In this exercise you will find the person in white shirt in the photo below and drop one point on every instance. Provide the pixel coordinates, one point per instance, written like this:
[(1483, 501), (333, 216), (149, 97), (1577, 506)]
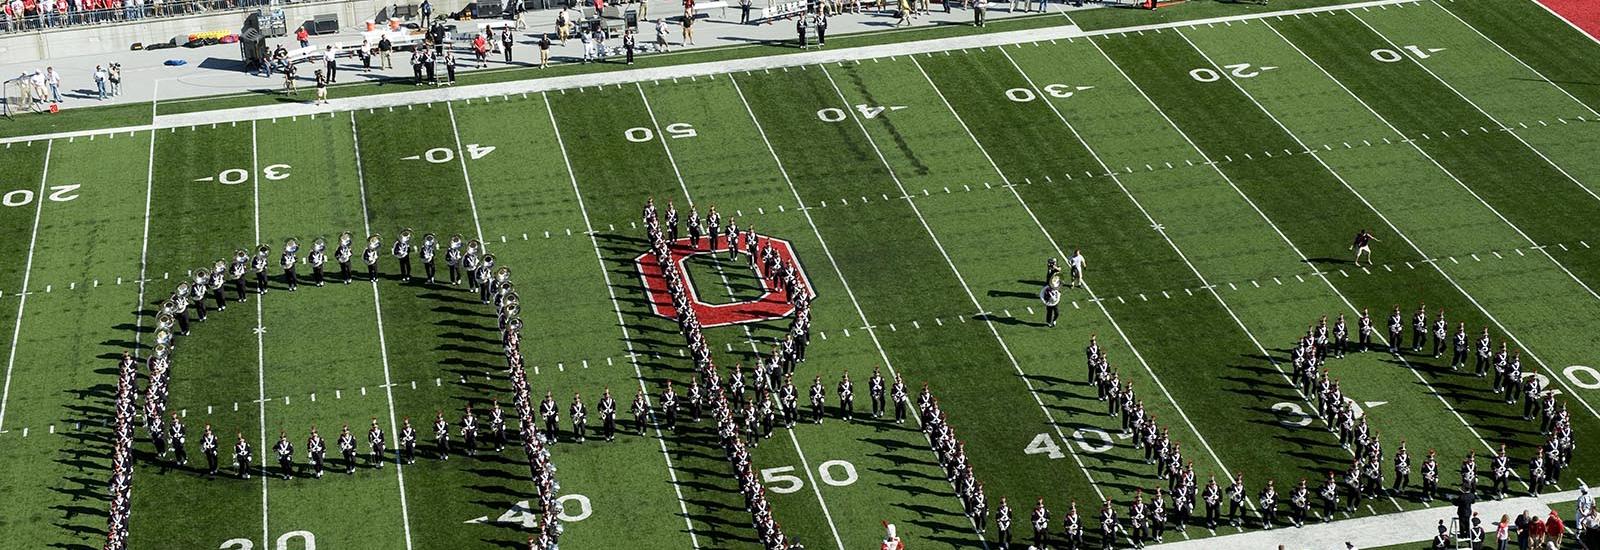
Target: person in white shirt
[(1075, 266), (100, 77), (328, 59), (53, 80)]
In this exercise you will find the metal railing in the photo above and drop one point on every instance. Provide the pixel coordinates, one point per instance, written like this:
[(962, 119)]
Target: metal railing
[(47, 14)]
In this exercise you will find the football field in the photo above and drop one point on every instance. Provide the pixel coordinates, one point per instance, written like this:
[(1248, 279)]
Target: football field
[(1212, 174)]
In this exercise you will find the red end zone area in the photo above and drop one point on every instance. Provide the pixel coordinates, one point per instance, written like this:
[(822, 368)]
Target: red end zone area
[(1583, 14), (773, 303)]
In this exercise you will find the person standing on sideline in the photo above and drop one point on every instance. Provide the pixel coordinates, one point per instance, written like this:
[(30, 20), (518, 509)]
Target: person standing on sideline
[(52, 79), (427, 12), (322, 88), (1362, 245), (544, 51), (329, 61), (505, 43), (100, 77), (561, 26), (744, 12), (302, 36), (905, 13), (979, 9), (588, 47), (661, 34), (629, 42), (450, 67), (1051, 296), (822, 28), (688, 25), (385, 48), (800, 29), (1075, 266)]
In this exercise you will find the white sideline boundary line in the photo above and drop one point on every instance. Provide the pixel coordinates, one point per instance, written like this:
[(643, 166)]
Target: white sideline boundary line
[(1569, 23), (1062, 254), (866, 325), (261, 353), (633, 357), (27, 274), (1486, 114), (383, 344), (749, 337), (951, 263), (677, 71)]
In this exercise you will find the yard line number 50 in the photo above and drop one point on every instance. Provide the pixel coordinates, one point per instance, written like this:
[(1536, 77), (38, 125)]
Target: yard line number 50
[(837, 473)]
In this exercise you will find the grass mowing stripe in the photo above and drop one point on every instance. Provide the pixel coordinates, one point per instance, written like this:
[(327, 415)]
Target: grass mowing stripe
[(825, 307), (1315, 102), (1313, 43), (1514, 57), (522, 185), (438, 336), (195, 219), (1548, 43), (815, 488), (1138, 256), (1177, 94), (613, 187), (1062, 253), (617, 308), (1276, 311), (886, 286), (22, 301)]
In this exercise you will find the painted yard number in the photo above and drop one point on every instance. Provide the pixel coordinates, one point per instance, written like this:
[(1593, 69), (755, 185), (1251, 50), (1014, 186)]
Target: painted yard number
[(1058, 91), (837, 473), (1089, 440), (1240, 70), (441, 155), (1387, 55), (676, 130), (308, 541), (573, 507), (22, 197), (834, 114), (236, 176)]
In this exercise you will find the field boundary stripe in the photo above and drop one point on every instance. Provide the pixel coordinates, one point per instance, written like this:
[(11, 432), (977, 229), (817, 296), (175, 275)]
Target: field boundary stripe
[(383, 345), (1061, 253), (27, 273), (1568, 22), (616, 307), (961, 279), (865, 324), (810, 477), (667, 73)]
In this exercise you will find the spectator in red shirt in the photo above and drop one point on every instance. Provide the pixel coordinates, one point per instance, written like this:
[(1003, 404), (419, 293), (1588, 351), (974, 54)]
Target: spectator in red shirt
[(1536, 533), (1554, 529)]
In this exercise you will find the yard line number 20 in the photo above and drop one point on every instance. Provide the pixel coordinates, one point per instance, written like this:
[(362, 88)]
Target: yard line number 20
[(24, 197)]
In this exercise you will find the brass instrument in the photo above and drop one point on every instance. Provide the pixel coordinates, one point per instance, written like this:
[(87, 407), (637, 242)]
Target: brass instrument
[(405, 236), (501, 275), (455, 241), (345, 239), (319, 245), (291, 246), (160, 350), (169, 307), (374, 241)]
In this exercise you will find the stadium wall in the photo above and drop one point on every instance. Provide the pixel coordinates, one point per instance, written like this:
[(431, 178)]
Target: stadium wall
[(118, 37)]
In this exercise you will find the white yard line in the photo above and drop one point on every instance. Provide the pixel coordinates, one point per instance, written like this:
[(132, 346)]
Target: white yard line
[(959, 278), (1517, 59), (866, 325), (815, 489), (1474, 105), (1062, 253), (261, 354), (462, 156), (681, 71), (621, 323), (383, 345), (27, 273), (1425, 154), (1553, 374)]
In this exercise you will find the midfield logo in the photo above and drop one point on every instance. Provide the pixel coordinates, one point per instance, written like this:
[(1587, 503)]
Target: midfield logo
[(773, 303)]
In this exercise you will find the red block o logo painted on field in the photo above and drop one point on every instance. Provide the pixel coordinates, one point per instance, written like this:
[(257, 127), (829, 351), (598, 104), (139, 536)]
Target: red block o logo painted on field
[(772, 304)]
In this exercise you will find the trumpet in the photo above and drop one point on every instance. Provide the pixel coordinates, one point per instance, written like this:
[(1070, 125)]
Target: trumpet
[(319, 245), (291, 246)]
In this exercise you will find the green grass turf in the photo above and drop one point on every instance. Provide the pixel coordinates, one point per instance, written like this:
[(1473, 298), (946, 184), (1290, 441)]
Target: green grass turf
[(927, 220)]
